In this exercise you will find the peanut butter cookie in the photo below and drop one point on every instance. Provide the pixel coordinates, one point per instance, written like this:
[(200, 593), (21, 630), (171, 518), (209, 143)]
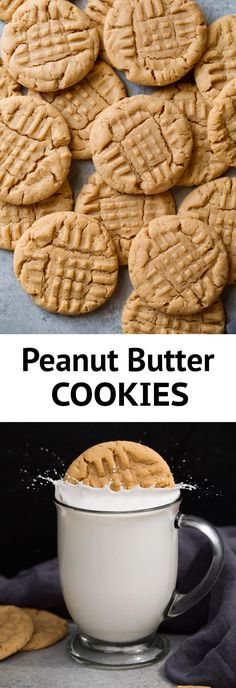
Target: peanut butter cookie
[(48, 629), (204, 164), (120, 464), (215, 204), (34, 154), (178, 265), (81, 104), (67, 263), (8, 7), (154, 43), (218, 63), (49, 45), (123, 215), (8, 86), (222, 125), (97, 12), (16, 629), (15, 219), (141, 145), (139, 318)]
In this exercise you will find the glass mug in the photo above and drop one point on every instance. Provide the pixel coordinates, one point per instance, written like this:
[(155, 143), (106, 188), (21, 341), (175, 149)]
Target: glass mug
[(118, 573)]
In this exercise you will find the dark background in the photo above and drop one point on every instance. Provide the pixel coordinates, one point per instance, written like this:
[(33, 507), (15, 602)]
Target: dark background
[(203, 454)]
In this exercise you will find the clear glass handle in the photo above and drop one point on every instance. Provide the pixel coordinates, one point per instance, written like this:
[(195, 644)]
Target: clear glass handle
[(179, 602)]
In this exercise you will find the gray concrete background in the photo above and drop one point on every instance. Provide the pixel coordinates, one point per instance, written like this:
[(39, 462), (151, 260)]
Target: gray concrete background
[(18, 313), (52, 667)]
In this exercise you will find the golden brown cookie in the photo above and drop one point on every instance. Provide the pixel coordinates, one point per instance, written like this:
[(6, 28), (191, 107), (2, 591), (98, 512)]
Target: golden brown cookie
[(67, 263), (8, 86), (34, 154), (141, 145), (123, 215), (218, 63), (215, 204), (49, 44), (178, 265), (8, 7), (48, 629), (139, 318), (81, 104), (15, 219), (222, 125), (97, 12), (154, 43), (204, 164), (120, 464), (16, 629)]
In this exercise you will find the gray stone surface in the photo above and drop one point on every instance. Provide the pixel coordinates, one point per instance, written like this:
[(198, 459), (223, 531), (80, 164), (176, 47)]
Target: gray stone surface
[(53, 668), (18, 314)]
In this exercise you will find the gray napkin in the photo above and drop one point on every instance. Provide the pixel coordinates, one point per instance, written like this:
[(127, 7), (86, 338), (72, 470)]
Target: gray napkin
[(209, 656)]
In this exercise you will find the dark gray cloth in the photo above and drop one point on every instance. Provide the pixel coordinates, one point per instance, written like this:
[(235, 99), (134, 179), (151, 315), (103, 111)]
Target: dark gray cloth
[(38, 587), (231, 327), (208, 657)]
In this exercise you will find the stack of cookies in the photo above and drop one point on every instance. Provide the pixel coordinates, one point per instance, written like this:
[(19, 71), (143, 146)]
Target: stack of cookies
[(26, 629), (76, 107)]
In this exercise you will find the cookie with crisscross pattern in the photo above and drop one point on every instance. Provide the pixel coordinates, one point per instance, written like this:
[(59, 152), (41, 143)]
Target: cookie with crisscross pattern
[(178, 265), (49, 44), (15, 219), (34, 154), (204, 164), (217, 65), (81, 104), (67, 262), (139, 318), (141, 144), (8, 85), (97, 11), (8, 7), (155, 43), (222, 125), (120, 464), (215, 204), (123, 215)]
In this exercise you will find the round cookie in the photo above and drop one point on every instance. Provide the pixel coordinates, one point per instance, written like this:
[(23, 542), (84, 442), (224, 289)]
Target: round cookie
[(48, 629), (154, 43), (15, 219), (8, 86), (67, 263), (139, 318), (123, 215), (215, 204), (97, 12), (81, 104), (49, 44), (141, 145), (203, 165), (16, 629), (218, 63), (34, 154), (120, 464), (222, 125), (8, 7), (178, 265)]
